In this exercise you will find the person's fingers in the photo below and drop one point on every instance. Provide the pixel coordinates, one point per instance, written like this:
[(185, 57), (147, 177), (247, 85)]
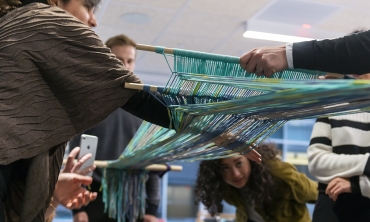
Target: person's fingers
[(265, 61), (87, 170), (332, 191), (80, 179), (86, 199), (244, 59), (330, 186), (338, 190), (68, 205), (335, 198), (93, 196), (256, 153), (254, 156), (80, 162), (251, 157), (262, 67), (268, 68), (79, 200), (252, 64), (70, 160), (259, 69)]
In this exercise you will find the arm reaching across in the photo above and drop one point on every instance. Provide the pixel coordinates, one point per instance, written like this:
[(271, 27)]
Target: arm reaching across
[(348, 54)]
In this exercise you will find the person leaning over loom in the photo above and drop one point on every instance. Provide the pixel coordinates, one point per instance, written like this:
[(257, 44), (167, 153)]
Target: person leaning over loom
[(348, 54), (268, 191), (114, 135), (57, 79)]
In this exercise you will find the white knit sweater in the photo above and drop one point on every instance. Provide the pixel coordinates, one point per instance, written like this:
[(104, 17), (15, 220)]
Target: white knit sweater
[(340, 147)]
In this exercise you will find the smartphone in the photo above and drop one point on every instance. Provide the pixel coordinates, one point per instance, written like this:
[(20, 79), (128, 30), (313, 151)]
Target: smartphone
[(88, 144)]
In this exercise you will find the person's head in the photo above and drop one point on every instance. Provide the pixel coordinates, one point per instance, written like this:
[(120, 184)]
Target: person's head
[(235, 170), (125, 50), (216, 177), (81, 9)]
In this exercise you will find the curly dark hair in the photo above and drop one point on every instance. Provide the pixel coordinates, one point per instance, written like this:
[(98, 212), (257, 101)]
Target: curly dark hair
[(260, 189)]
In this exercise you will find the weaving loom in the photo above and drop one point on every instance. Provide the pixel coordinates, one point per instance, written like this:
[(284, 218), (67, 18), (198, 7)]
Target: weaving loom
[(219, 110)]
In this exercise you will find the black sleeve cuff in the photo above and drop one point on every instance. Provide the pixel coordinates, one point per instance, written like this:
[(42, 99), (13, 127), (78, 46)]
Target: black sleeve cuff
[(151, 209), (367, 168), (148, 107), (355, 184)]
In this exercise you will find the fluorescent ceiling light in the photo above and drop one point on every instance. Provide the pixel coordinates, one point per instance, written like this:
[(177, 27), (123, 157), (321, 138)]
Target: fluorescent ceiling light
[(274, 37)]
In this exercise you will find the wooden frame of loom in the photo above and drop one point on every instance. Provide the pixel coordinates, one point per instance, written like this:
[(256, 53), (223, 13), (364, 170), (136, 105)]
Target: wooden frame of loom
[(153, 167), (150, 48)]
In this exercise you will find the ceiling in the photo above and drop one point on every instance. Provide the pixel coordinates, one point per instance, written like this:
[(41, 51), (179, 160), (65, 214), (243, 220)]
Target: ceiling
[(217, 26)]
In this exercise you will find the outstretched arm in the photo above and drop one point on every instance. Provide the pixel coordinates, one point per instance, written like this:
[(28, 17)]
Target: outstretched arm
[(343, 55), (149, 107)]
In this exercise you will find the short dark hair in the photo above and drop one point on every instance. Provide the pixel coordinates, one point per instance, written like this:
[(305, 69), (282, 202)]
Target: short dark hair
[(90, 3), (120, 40), (8, 5)]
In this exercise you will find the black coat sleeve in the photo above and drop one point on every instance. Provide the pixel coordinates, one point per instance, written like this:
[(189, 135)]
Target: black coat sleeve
[(346, 55), (153, 194), (149, 107)]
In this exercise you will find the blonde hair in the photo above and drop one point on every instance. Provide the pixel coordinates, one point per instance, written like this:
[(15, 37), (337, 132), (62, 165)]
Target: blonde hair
[(120, 40)]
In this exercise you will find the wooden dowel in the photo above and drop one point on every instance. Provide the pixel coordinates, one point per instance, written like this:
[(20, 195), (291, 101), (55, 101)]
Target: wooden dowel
[(151, 48), (134, 86), (153, 167), (140, 86)]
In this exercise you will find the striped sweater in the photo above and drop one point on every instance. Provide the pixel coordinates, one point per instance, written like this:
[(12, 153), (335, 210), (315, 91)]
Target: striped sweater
[(340, 147)]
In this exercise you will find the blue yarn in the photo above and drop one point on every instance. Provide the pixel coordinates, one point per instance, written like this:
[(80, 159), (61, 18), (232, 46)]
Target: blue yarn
[(146, 88)]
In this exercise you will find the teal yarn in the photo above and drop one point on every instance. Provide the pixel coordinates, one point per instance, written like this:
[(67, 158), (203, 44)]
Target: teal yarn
[(124, 193), (205, 56), (159, 49), (210, 95), (187, 61)]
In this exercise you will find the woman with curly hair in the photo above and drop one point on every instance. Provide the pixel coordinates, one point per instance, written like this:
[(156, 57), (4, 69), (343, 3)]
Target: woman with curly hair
[(268, 191)]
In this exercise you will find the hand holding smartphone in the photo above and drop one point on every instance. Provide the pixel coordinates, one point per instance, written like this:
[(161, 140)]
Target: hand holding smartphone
[(88, 144)]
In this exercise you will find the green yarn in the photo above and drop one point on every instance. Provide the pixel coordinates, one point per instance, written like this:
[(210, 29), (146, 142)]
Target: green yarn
[(124, 193), (210, 95)]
